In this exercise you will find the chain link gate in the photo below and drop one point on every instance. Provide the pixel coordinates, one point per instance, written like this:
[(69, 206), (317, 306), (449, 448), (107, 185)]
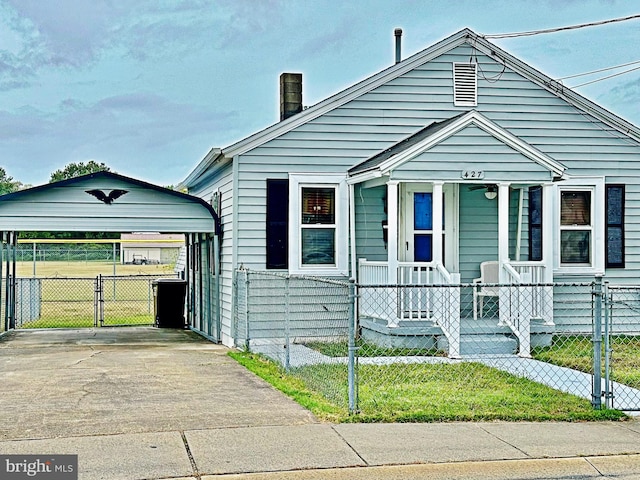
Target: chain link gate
[(85, 302), (621, 347)]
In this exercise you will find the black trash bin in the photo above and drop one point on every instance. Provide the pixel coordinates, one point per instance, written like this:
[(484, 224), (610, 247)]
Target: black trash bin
[(168, 302)]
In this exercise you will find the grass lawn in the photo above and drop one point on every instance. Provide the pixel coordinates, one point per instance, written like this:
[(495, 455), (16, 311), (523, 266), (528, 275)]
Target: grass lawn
[(66, 294), (423, 393), (87, 269), (577, 352)]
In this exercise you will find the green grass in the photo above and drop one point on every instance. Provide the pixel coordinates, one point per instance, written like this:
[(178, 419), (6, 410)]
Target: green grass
[(574, 351), (424, 393), (340, 349)]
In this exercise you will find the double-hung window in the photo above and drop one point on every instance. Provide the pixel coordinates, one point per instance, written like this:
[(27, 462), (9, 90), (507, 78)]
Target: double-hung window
[(318, 211), (576, 227), (581, 224), (318, 226)]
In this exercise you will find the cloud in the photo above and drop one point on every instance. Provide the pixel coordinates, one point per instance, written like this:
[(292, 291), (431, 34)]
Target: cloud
[(110, 129)]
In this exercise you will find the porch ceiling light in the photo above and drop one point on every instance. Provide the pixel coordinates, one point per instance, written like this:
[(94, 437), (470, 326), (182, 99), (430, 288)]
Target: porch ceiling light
[(491, 193)]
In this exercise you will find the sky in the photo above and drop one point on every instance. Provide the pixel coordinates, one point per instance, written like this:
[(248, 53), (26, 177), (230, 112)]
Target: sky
[(148, 87)]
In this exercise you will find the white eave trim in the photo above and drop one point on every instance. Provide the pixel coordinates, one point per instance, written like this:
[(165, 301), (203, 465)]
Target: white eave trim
[(212, 157), (348, 94), (482, 122)]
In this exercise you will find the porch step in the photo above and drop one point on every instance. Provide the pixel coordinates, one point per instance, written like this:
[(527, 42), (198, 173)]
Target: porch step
[(479, 344)]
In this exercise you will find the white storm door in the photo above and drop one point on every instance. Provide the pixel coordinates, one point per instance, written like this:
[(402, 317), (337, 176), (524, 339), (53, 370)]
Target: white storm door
[(419, 218)]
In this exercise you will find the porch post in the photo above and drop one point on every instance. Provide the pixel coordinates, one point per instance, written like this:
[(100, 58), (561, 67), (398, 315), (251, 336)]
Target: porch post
[(547, 232), (437, 223), (503, 228), (392, 231)]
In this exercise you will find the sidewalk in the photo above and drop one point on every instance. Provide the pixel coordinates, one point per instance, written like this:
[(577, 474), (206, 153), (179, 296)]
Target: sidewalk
[(354, 451), (142, 404)]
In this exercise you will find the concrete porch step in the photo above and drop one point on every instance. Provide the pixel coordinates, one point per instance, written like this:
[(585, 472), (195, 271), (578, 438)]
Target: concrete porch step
[(482, 344)]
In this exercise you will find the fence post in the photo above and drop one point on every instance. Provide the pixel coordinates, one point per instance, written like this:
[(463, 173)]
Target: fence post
[(351, 367), (246, 310), (608, 302), (596, 395), (287, 343)]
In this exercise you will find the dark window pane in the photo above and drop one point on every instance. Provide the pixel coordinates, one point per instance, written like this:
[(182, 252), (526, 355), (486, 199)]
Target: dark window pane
[(318, 246), (423, 248), (575, 246), (575, 208), (318, 206)]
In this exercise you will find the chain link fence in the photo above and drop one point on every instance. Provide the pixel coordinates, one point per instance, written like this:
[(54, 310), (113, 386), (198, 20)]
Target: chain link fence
[(405, 344), (294, 320), (66, 302), (621, 346)]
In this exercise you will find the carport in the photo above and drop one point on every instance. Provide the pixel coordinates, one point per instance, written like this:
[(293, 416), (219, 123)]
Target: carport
[(109, 202)]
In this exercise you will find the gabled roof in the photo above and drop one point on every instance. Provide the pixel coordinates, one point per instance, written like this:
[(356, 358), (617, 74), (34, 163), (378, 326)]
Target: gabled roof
[(433, 134), (463, 36)]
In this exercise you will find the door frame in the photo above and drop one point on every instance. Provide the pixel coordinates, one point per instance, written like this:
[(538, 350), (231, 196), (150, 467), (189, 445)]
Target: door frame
[(451, 218)]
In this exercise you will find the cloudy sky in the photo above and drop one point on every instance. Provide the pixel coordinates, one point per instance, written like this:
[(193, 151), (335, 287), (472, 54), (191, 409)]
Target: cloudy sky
[(149, 86)]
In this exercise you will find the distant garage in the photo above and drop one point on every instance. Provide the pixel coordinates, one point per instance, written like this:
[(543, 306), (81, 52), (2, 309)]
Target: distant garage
[(109, 202)]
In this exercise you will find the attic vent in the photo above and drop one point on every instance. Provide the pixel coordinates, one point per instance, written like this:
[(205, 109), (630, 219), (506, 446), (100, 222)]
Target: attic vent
[(465, 85)]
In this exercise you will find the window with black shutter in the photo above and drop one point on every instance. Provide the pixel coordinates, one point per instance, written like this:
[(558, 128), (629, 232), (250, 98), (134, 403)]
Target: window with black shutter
[(277, 224), (614, 241), (535, 223)]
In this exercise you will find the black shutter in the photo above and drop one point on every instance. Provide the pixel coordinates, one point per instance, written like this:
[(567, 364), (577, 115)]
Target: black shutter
[(535, 223), (614, 241), (277, 223)]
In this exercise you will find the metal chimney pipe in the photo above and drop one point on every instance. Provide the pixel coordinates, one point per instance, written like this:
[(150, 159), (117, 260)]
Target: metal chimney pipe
[(398, 34)]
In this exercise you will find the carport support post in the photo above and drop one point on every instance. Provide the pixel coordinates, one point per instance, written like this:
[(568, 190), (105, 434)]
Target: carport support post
[(351, 366), (596, 396)]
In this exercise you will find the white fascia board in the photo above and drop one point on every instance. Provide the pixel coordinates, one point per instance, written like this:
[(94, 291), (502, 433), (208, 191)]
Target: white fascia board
[(482, 122), (210, 158), (556, 88), (518, 144), (348, 94)]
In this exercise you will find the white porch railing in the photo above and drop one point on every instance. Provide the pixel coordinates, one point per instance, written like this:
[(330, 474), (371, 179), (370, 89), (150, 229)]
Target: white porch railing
[(423, 292), (529, 298)]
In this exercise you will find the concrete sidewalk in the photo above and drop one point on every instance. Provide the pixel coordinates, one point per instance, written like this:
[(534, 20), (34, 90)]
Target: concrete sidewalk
[(140, 404)]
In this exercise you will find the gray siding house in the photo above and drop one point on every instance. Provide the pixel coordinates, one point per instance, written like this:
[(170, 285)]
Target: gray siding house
[(458, 155)]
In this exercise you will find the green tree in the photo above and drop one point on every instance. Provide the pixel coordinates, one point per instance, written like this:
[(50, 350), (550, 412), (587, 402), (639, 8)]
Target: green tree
[(78, 169), (7, 183)]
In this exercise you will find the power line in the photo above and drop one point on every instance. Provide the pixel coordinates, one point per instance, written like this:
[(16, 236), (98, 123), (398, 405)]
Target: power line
[(607, 77), (559, 29), (600, 70)]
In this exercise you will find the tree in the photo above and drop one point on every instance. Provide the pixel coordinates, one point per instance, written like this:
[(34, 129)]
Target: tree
[(77, 169), (7, 183)]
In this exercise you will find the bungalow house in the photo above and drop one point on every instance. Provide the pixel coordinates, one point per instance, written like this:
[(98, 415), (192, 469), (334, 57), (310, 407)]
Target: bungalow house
[(459, 156)]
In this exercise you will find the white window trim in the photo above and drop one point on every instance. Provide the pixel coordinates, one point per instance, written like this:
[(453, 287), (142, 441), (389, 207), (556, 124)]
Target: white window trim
[(296, 182), (597, 186)]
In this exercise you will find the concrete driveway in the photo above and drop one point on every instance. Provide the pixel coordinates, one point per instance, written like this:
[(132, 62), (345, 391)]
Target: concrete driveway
[(148, 404), (106, 381)]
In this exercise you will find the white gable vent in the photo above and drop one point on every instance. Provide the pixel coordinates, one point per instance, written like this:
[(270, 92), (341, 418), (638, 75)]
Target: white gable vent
[(465, 85)]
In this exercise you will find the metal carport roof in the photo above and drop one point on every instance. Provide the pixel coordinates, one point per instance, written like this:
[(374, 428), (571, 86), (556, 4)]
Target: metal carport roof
[(105, 202)]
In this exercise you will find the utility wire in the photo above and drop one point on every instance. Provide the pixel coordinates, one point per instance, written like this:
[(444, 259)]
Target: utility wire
[(600, 70), (608, 76), (559, 29)]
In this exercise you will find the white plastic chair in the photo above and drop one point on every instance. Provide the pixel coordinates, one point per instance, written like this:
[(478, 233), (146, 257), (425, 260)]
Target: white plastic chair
[(489, 274)]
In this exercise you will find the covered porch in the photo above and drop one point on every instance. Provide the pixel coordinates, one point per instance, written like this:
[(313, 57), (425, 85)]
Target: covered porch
[(463, 242)]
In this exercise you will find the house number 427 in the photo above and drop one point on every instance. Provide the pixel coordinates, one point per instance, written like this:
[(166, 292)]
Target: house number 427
[(472, 174)]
